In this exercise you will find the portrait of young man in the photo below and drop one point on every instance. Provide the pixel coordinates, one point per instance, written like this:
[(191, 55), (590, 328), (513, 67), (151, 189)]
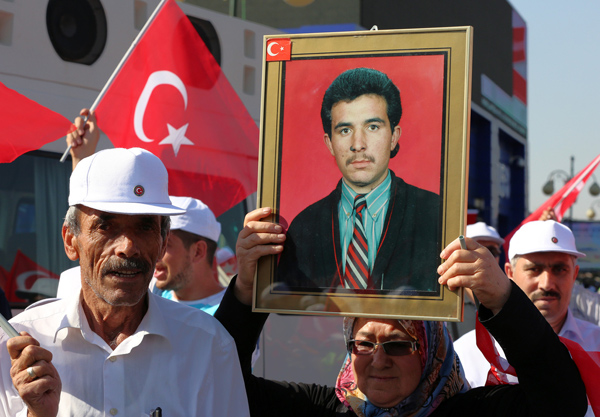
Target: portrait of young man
[(366, 222)]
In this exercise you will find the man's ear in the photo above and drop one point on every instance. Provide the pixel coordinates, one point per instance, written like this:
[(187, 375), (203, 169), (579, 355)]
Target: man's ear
[(70, 243), (575, 272), (327, 141), (163, 248), (200, 249), (395, 137), (508, 270)]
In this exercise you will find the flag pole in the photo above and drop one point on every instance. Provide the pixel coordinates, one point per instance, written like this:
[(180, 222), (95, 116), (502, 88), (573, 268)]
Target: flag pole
[(119, 66)]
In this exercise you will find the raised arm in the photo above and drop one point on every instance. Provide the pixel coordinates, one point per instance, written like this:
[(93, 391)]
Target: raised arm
[(529, 342), (84, 140), (257, 239)]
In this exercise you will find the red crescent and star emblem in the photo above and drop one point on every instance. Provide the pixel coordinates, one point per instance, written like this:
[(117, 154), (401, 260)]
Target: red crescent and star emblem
[(138, 190), (279, 49)]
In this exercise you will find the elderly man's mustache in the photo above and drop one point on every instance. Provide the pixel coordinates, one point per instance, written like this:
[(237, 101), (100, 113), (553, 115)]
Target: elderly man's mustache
[(118, 265)]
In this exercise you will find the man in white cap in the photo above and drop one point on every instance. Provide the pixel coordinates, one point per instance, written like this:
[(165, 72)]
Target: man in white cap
[(187, 271), (118, 349), (486, 236), (543, 263)]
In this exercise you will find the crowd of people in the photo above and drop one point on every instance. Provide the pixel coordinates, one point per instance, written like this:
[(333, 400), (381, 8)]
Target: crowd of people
[(129, 335)]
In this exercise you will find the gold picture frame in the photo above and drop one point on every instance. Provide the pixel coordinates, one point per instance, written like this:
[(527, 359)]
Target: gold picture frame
[(432, 70)]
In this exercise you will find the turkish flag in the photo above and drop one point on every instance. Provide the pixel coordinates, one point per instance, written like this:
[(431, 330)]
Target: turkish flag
[(561, 200), (22, 276), (26, 125), (171, 98), (279, 49)]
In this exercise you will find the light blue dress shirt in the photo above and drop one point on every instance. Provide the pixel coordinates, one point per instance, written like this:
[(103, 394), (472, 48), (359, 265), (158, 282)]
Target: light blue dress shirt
[(373, 217)]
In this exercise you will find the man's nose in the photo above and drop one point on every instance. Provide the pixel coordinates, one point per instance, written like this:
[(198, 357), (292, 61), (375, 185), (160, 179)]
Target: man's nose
[(547, 281), (359, 142), (127, 246)]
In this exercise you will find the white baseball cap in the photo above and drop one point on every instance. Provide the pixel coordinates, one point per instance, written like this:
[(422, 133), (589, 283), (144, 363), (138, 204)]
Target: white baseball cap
[(480, 230), (543, 236), (197, 219), (122, 181)]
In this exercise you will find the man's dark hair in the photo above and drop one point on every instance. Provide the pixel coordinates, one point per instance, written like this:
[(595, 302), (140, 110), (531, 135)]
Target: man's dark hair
[(188, 239), (353, 83)]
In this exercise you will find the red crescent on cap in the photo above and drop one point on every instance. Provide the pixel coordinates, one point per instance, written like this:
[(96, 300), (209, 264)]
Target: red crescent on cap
[(139, 191), (554, 240)]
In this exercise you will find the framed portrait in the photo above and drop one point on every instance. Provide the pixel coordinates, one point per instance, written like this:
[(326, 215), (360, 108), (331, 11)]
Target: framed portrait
[(364, 160)]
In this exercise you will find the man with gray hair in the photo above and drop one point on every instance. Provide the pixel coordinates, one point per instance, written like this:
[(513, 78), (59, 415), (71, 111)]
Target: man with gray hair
[(543, 263), (117, 348)]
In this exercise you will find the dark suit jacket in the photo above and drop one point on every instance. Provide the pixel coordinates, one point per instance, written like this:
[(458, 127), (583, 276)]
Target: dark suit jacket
[(407, 257)]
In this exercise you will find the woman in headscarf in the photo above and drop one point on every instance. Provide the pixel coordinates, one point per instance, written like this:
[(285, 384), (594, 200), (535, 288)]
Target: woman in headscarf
[(409, 368)]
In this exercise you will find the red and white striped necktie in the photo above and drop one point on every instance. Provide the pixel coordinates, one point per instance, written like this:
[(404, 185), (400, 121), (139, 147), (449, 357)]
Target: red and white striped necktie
[(357, 257)]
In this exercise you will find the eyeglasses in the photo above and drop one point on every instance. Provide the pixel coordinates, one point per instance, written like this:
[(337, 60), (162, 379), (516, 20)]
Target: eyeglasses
[(392, 348), (495, 251)]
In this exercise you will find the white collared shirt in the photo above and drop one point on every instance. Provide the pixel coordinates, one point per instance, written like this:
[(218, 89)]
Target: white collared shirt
[(179, 359), (476, 367)]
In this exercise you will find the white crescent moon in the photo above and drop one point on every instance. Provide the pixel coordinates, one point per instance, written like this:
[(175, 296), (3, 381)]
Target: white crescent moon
[(23, 277), (269, 49), (154, 80)]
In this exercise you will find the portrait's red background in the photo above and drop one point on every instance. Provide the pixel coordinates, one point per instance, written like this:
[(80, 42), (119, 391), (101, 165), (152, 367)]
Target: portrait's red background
[(309, 171)]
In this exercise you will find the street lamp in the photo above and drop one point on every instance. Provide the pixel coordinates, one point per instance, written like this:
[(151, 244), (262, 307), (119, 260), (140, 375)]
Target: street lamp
[(548, 187)]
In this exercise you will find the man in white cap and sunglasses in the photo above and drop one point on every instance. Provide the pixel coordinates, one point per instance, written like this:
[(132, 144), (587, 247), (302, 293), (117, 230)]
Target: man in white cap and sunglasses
[(118, 349), (543, 263)]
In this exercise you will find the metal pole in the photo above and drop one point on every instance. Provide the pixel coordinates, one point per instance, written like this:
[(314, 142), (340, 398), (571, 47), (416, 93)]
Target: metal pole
[(572, 175)]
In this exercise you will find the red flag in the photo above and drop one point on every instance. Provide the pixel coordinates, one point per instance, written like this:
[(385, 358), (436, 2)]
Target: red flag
[(589, 368), (279, 49), (26, 125), (560, 201), (23, 275), (171, 98)]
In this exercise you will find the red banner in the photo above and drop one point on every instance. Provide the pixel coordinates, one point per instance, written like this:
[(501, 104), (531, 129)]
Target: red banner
[(26, 125), (171, 98)]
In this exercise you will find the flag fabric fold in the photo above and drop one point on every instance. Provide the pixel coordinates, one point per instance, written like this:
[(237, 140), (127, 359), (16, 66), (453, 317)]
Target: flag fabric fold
[(26, 125), (561, 200), (171, 98)]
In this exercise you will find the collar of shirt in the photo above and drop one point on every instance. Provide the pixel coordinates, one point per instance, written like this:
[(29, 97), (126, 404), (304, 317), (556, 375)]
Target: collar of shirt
[(376, 199), (152, 323), (373, 219), (570, 329)]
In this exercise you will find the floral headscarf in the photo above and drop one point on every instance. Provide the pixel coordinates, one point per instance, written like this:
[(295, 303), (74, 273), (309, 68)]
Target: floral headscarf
[(442, 375)]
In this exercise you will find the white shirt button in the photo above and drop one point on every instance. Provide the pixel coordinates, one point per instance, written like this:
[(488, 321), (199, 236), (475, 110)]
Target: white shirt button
[(112, 359), (113, 411)]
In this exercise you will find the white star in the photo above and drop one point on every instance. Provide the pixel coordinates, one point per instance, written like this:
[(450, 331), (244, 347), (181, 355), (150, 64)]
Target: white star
[(176, 138)]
